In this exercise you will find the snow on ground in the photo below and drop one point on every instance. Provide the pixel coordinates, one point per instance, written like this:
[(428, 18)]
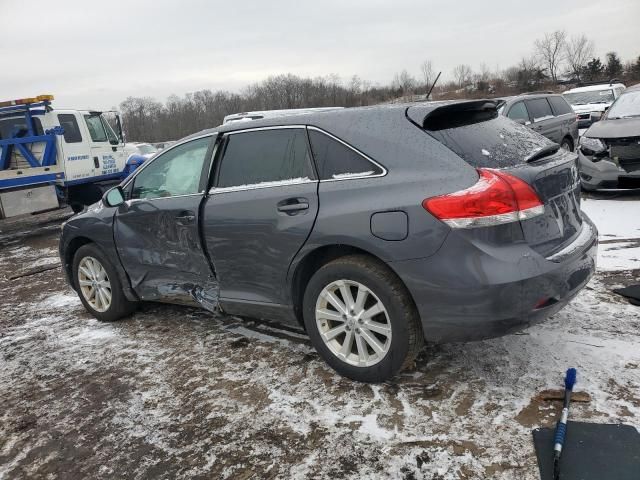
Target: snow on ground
[(618, 223), (174, 392)]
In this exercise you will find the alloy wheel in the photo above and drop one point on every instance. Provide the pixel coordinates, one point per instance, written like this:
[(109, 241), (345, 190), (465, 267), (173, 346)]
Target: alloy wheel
[(353, 323), (94, 284)]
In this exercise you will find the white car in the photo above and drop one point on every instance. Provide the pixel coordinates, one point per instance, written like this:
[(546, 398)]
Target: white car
[(139, 148), (591, 101)]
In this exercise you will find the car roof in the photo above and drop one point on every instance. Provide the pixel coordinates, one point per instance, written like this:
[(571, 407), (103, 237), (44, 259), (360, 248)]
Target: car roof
[(323, 119), (592, 88)]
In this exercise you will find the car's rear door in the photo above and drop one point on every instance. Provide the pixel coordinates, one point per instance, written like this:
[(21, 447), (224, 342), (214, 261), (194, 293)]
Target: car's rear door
[(544, 121), (565, 116), (156, 231), (259, 213)]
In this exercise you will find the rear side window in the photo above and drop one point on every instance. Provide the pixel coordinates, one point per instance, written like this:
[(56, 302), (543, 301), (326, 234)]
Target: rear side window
[(96, 128), (560, 105), (70, 125), (258, 157), (18, 125), (539, 109), (519, 112), (490, 142), (335, 160)]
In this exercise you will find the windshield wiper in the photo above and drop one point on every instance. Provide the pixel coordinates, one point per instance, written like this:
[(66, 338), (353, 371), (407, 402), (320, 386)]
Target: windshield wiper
[(543, 152)]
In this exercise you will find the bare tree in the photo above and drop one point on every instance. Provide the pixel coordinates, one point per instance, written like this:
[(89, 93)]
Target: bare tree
[(428, 73), (550, 49), (404, 82), (463, 74), (578, 50)]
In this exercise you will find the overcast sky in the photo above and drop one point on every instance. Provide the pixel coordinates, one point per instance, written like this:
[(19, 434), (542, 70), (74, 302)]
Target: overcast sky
[(95, 54)]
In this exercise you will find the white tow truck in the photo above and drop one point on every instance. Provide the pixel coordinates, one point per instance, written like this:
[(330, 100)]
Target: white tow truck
[(52, 158)]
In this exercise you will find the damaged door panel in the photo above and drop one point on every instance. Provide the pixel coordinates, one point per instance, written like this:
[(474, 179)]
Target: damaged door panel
[(259, 214), (157, 230)]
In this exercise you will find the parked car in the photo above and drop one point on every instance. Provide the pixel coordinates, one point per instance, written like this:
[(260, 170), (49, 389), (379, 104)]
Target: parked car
[(610, 148), (546, 113), (145, 150), (375, 228), (591, 101)]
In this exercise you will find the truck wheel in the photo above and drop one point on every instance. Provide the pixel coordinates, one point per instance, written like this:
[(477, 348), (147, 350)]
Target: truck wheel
[(361, 319), (98, 285)]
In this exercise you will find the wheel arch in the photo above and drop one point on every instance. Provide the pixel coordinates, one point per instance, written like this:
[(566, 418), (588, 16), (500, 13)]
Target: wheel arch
[(569, 138), (320, 256), (69, 253)]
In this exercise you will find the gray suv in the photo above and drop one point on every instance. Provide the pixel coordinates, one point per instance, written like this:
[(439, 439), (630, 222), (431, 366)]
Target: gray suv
[(374, 228), (546, 113)]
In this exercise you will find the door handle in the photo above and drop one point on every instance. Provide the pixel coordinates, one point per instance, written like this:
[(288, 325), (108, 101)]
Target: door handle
[(292, 205), (186, 217)]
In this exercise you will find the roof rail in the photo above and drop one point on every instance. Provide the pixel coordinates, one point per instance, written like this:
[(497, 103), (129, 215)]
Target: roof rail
[(599, 82), (539, 92)]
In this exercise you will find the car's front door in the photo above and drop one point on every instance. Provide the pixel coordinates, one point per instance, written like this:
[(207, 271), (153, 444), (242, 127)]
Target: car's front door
[(106, 152), (259, 214), (156, 231)]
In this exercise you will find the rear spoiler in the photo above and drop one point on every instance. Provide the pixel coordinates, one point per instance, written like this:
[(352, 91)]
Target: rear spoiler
[(446, 115)]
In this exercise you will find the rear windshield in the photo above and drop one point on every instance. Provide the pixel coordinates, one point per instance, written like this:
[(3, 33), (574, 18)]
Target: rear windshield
[(493, 141)]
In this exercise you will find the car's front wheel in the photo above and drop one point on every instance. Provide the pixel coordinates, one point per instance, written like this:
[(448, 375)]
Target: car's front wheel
[(361, 319), (98, 285)]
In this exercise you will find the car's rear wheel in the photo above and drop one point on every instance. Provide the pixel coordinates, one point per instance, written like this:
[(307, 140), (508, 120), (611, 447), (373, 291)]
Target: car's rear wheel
[(567, 144), (361, 319), (98, 285)]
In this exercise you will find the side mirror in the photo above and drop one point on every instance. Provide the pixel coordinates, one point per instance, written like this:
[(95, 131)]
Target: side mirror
[(113, 197)]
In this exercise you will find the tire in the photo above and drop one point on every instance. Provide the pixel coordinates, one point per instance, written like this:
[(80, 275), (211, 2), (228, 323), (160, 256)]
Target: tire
[(77, 207), (91, 258), (400, 346), (567, 144)]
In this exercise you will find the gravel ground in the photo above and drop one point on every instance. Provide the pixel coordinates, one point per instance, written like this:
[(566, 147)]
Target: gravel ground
[(174, 392)]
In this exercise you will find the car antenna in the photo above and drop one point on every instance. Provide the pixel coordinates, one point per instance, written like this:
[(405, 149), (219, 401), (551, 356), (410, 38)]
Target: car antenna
[(433, 85)]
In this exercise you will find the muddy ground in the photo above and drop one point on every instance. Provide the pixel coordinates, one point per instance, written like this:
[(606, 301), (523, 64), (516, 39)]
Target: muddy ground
[(174, 392)]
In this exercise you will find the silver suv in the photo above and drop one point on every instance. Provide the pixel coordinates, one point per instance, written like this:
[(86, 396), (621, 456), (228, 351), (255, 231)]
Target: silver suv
[(546, 113)]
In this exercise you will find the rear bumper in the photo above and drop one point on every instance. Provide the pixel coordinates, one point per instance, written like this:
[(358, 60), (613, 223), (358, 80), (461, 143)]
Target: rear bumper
[(606, 174), (468, 292)]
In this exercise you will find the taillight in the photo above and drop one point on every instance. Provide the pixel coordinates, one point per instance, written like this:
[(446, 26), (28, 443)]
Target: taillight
[(496, 198)]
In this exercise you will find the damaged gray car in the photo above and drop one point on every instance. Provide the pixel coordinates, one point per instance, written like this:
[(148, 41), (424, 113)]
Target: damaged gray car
[(374, 228), (610, 148)]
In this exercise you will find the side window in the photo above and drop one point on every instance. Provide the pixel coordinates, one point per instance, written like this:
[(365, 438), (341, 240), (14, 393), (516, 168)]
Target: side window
[(96, 128), (335, 160), (263, 156), (70, 125), (540, 109), (519, 112), (560, 105), (12, 126), (176, 172)]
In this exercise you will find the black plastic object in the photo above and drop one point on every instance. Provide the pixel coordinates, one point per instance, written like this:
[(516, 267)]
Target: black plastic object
[(631, 293), (591, 452)]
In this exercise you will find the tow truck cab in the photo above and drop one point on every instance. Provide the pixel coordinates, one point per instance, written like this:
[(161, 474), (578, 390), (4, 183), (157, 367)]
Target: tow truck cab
[(49, 158)]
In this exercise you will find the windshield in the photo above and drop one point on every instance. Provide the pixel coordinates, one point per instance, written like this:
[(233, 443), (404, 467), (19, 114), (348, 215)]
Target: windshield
[(627, 105), (593, 96), (146, 149)]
